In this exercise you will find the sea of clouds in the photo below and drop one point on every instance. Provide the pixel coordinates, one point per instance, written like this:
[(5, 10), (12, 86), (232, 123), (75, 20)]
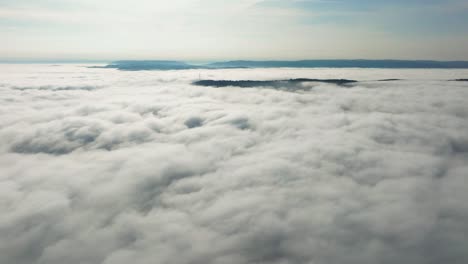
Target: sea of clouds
[(116, 167)]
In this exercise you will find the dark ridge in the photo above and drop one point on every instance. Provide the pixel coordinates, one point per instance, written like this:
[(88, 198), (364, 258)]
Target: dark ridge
[(134, 65), (243, 84), (389, 80), (344, 64), (273, 83), (460, 80), (335, 81)]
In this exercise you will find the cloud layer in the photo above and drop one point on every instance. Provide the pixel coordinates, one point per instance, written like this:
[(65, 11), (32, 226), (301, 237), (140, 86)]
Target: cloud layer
[(144, 167)]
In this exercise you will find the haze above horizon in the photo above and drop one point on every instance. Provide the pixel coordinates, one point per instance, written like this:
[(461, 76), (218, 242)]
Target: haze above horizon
[(35, 30)]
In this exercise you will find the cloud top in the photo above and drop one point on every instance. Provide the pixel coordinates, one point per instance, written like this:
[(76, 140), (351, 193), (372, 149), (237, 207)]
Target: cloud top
[(150, 168)]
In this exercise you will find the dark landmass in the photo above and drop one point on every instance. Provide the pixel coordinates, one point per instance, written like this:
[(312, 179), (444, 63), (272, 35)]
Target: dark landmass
[(460, 80), (136, 65), (344, 64), (271, 83), (389, 80)]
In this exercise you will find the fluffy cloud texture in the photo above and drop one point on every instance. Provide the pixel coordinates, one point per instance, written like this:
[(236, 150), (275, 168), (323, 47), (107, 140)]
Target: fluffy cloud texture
[(112, 167)]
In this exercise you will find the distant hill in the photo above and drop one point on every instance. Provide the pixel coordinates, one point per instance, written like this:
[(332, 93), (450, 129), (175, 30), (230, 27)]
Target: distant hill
[(137, 65), (342, 64), (273, 83)]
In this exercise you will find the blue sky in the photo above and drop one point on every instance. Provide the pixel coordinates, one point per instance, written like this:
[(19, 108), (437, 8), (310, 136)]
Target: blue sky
[(233, 29)]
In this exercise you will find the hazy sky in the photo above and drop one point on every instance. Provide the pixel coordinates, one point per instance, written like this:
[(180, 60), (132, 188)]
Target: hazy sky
[(233, 29)]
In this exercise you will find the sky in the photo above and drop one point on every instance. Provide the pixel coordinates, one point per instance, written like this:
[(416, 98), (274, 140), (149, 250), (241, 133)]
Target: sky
[(233, 29)]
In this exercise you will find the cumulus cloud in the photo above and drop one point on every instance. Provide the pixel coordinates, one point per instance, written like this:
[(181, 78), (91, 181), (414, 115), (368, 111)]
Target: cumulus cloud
[(150, 168)]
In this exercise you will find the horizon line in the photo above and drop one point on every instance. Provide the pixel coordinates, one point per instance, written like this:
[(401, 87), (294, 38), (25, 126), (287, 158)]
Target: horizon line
[(70, 61)]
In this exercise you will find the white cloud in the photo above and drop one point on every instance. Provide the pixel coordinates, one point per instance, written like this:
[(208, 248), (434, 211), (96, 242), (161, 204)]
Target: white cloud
[(149, 168)]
